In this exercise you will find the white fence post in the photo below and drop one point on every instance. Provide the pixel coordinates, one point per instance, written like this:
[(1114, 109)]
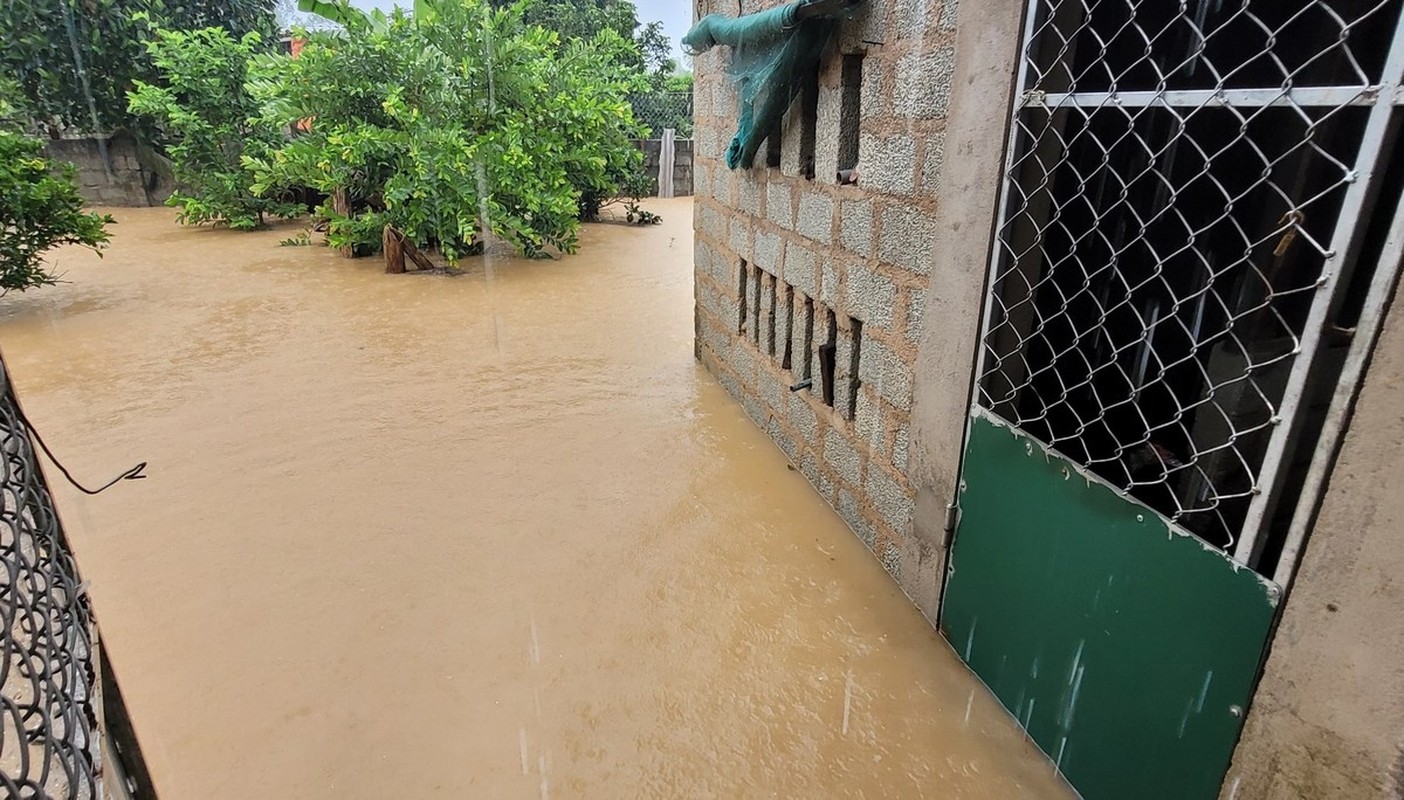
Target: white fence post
[(665, 163)]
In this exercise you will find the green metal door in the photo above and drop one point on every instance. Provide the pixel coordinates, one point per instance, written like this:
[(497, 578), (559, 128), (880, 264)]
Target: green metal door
[(1187, 189)]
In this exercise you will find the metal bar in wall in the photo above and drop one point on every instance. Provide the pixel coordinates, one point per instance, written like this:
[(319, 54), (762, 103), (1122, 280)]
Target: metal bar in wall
[(1343, 240), (1367, 328), (1306, 97)]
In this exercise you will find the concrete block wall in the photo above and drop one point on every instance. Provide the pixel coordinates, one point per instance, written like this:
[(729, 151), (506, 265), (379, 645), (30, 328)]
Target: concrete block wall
[(779, 255), (132, 175), (682, 162)]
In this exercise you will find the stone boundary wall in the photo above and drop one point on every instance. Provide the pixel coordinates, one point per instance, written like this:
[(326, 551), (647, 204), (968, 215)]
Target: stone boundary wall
[(846, 263), (682, 162), (133, 176)]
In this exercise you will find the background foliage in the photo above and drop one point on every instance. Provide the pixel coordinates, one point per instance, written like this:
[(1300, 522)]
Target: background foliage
[(46, 41), (201, 106), (39, 207)]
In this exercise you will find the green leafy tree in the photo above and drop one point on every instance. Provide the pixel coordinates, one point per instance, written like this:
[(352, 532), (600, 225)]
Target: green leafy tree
[(75, 60), (456, 123), (39, 209), (202, 106)]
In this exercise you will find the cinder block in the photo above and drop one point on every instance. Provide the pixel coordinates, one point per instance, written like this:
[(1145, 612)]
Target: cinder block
[(914, 17), (778, 208), (748, 193), (826, 123), (907, 239), (740, 237), (899, 449), (844, 460), (889, 376), (802, 418), (767, 315), (892, 561), (856, 226), (816, 217), (829, 286), (888, 164), (949, 12), (869, 296), (923, 88), (867, 422), (891, 501), (916, 308), (848, 510), (843, 371), (932, 162), (711, 223), (799, 268), (766, 251)]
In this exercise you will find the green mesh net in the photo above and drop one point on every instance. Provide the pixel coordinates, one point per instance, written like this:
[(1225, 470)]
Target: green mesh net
[(771, 53)]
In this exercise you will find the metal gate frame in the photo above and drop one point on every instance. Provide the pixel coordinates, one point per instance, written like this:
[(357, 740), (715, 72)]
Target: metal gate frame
[(1382, 99)]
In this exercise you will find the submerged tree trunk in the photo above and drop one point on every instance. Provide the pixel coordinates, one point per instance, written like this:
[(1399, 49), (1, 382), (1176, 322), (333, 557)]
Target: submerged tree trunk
[(391, 242), (341, 204)]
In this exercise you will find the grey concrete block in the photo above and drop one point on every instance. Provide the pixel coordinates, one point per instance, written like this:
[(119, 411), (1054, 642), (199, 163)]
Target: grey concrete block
[(799, 268), (743, 363), (826, 127), (748, 193), (856, 226), (869, 296), (871, 101), (914, 17), (923, 88), (849, 511), (767, 315), (900, 446), (816, 217), (844, 460), (950, 10), (907, 239), (778, 208), (809, 467), (701, 180), (916, 308), (710, 222), (843, 373), (802, 419), (889, 376), (773, 393), (740, 237), (887, 164), (932, 162), (867, 422), (765, 251), (829, 286), (729, 382), (892, 561), (890, 500), (754, 409)]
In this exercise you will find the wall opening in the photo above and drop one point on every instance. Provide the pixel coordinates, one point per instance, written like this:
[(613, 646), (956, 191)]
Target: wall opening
[(743, 276), (787, 312), (772, 146), (808, 341), (755, 304), (853, 382), (769, 283), (827, 353), (850, 113)]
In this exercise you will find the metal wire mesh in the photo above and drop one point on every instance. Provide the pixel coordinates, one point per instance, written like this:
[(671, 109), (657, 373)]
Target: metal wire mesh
[(661, 110), (1176, 176), (48, 697)]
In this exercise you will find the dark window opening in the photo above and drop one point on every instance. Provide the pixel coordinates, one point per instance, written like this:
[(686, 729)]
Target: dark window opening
[(772, 146), (755, 301), (787, 311), (743, 274), (769, 283), (807, 372), (850, 114), (827, 353), (853, 382)]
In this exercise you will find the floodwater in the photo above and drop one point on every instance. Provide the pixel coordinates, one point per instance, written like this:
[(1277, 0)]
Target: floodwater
[(495, 535)]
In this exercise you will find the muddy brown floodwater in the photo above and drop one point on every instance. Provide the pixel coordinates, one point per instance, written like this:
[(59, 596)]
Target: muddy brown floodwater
[(496, 535)]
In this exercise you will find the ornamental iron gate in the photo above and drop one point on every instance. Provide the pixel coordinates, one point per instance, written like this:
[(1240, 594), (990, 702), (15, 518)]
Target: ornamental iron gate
[(1198, 231)]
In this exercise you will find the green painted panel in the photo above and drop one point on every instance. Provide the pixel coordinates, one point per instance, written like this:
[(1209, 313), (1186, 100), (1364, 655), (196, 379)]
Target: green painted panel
[(1127, 650)]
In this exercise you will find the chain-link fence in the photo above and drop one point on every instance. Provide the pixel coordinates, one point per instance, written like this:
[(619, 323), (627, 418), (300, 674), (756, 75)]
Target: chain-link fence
[(1183, 190), (661, 110)]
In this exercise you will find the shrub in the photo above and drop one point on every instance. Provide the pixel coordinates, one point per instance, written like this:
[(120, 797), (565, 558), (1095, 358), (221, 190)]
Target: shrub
[(204, 110), (456, 123), (38, 211)]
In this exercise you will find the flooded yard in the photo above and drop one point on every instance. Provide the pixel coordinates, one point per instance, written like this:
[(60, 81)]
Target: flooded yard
[(495, 535)]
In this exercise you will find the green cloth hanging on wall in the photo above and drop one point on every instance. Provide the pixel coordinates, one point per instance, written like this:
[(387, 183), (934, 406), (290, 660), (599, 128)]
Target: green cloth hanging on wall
[(771, 52)]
